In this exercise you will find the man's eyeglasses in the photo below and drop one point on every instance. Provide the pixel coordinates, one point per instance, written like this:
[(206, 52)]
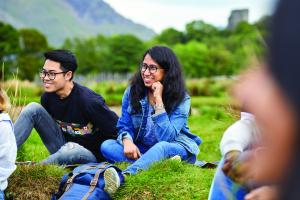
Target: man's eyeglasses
[(51, 75), (152, 68)]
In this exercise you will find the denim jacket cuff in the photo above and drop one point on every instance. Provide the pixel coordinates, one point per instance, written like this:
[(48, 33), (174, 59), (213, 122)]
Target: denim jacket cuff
[(160, 112), (122, 136), (160, 117)]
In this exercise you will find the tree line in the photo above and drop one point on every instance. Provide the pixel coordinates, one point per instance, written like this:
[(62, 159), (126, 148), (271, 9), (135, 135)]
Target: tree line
[(203, 49)]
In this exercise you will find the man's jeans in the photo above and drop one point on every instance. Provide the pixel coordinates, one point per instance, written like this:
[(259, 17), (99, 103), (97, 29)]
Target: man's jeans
[(224, 188), (35, 116), (1, 195), (113, 151)]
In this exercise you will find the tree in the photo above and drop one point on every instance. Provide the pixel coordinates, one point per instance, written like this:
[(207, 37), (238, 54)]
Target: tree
[(91, 53), (263, 26), (170, 36), (198, 30), (193, 57), (32, 41), (9, 48), (9, 40), (244, 28), (30, 60), (125, 53)]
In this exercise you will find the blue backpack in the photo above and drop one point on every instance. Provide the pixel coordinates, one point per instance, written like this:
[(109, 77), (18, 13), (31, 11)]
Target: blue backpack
[(85, 182)]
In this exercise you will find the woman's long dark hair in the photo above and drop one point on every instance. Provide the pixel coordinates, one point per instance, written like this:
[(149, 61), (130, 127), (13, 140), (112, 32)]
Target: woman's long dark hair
[(173, 83)]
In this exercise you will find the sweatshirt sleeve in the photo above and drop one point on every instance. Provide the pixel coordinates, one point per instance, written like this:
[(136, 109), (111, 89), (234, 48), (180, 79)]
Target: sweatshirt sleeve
[(238, 136), (8, 153), (102, 117)]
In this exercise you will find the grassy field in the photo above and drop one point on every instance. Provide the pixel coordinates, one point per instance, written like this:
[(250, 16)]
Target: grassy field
[(168, 179)]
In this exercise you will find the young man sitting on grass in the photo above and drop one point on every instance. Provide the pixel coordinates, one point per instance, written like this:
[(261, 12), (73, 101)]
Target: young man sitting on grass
[(72, 120)]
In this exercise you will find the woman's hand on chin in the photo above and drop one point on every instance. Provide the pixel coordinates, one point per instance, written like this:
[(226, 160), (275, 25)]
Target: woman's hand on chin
[(157, 89)]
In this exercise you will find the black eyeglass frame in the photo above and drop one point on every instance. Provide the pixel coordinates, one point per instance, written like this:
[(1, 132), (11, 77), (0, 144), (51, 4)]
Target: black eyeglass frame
[(51, 75), (152, 68)]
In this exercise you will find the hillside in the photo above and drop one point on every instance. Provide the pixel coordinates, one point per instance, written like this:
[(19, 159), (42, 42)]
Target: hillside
[(61, 19)]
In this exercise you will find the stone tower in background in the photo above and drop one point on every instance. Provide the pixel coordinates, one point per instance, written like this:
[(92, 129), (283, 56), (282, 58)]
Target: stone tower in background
[(237, 16)]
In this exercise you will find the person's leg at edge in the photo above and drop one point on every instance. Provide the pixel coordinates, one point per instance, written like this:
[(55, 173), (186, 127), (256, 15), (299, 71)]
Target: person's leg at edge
[(1, 195), (35, 116), (158, 152), (223, 187), (70, 153)]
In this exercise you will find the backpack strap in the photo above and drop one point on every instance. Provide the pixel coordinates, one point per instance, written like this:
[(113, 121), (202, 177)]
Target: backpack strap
[(94, 182), (70, 180)]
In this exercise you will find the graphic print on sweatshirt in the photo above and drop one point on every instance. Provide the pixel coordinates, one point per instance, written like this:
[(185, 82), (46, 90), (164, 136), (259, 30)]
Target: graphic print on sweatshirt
[(73, 129)]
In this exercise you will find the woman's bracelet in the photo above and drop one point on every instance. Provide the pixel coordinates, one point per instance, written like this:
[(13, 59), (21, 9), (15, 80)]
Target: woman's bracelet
[(159, 107)]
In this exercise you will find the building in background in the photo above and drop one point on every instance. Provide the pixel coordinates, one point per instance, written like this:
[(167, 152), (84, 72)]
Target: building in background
[(236, 17)]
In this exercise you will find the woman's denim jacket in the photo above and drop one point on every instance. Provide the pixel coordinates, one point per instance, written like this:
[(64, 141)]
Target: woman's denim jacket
[(168, 127)]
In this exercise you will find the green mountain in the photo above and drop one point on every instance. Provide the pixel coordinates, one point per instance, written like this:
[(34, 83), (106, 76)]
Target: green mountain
[(61, 19)]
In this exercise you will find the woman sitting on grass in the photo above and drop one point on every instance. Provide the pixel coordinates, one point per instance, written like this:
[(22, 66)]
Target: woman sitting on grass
[(153, 124), (8, 147)]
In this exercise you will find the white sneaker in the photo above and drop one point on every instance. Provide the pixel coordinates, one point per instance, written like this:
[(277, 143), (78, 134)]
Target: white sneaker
[(111, 180), (177, 158)]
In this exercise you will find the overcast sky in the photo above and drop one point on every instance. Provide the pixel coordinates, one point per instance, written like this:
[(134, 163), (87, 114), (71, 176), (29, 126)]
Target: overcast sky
[(161, 14)]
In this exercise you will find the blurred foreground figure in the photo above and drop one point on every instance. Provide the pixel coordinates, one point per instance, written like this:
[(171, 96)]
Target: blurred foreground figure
[(235, 143), (273, 95), (285, 67), (239, 143)]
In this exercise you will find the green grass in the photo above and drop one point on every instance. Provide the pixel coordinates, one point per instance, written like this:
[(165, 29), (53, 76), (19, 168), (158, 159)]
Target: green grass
[(168, 180), (37, 182), (164, 180)]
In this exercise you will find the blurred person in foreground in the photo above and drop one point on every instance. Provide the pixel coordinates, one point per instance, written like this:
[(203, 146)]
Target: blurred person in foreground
[(236, 140), (273, 95), (71, 120), (8, 147), (239, 140)]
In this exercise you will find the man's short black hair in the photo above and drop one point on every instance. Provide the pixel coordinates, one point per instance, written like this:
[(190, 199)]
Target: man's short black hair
[(66, 58)]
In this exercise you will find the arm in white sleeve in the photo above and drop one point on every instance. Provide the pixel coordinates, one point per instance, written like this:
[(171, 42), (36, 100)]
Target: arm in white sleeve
[(8, 152), (239, 135)]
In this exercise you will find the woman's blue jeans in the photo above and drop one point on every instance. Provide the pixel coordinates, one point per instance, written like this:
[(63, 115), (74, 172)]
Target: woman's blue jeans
[(113, 151), (35, 116), (224, 188)]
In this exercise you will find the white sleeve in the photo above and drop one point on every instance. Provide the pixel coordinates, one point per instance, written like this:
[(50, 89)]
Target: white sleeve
[(238, 136), (8, 153)]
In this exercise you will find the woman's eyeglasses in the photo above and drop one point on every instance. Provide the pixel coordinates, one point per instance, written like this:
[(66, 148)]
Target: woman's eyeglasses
[(152, 68)]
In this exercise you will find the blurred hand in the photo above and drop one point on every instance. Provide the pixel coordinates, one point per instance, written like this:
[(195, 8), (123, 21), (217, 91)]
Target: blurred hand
[(157, 89), (131, 151), (263, 193), (230, 157), (237, 166)]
